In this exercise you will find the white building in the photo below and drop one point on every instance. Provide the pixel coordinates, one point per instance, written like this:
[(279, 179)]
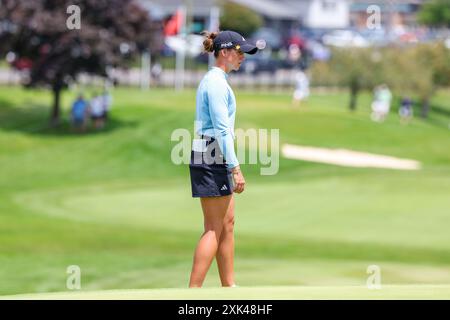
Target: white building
[(327, 14), (322, 14)]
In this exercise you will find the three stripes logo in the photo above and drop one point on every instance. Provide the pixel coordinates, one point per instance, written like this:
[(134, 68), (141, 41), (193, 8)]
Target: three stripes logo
[(224, 187)]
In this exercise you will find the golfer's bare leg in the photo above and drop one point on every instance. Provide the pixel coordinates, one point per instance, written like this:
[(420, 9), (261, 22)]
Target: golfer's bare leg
[(225, 252), (214, 211)]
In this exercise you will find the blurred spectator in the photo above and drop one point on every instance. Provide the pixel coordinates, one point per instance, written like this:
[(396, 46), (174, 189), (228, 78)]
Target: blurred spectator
[(79, 114), (97, 112), (156, 71), (296, 39), (301, 91), (294, 54), (406, 110), (106, 104), (381, 103)]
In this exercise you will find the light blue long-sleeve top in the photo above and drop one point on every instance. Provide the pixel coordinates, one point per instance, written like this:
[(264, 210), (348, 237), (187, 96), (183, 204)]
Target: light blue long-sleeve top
[(216, 111)]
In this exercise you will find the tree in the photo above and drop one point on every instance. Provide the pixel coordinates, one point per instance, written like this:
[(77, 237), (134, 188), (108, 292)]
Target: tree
[(407, 74), (240, 19), (435, 13), (40, 36), (356, 68), (418, 71)]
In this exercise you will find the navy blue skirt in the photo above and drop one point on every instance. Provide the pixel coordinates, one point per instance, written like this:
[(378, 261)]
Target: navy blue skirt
[(210, 176)]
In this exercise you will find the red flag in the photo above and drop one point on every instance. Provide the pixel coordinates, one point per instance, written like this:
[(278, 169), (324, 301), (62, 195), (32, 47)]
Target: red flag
[(173, 25)]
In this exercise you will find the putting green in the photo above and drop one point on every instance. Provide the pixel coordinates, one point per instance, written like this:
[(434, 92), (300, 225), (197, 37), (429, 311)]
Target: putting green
[(291, 236), (274, 293), (352, 211)]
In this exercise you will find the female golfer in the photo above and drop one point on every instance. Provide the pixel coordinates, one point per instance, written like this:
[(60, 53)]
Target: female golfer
[(214, 168)]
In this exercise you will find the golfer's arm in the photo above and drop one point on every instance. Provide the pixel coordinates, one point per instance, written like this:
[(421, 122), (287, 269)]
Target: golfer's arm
[(218, 109)]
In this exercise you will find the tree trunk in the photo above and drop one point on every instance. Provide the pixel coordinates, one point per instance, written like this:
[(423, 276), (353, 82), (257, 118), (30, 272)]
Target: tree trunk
[(55, 117), (425, 107), (353, 96)]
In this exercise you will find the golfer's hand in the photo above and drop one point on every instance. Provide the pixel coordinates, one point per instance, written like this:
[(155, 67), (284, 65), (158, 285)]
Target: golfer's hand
[(238, 178)]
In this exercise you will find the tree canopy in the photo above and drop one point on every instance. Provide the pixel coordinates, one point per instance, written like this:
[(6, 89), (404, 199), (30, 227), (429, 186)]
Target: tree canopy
[(240, 19), (435, 13)]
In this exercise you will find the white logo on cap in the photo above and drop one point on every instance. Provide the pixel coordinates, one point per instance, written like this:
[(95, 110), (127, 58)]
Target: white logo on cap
[(228, 44), (243, 39)]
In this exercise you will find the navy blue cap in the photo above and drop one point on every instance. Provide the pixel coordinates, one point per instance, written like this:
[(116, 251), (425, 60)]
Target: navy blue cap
[(231, 39)]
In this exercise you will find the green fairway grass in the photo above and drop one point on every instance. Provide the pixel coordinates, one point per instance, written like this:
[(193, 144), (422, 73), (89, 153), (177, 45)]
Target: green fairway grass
[(113, 203)]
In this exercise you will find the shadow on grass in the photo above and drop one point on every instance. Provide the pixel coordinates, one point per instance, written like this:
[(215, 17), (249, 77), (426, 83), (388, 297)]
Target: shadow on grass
[(35, 119), (303, 248), (438, 116), (441, 111)]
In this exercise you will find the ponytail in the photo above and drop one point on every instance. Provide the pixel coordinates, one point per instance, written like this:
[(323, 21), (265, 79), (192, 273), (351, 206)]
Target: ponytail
[(208, 43)]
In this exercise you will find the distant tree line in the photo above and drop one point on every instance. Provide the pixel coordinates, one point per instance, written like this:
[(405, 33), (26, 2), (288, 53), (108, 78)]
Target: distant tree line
[(416, 70)]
